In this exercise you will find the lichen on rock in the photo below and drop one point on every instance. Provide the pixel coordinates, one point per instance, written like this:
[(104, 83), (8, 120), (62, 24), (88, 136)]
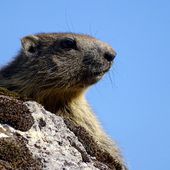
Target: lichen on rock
[(15, 113)]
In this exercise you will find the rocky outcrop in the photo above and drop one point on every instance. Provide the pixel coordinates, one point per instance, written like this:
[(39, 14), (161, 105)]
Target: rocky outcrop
[(32, 138)]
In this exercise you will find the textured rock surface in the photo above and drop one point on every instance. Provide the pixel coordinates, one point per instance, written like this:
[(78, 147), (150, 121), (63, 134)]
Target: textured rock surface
[(33, 138), (14, 113)]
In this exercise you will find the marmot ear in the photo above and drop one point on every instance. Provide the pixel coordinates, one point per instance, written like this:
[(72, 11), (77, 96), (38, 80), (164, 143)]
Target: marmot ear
[(29, 44)]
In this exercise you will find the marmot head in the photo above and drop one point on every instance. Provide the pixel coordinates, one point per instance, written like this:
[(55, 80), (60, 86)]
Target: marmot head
[(59, 61)]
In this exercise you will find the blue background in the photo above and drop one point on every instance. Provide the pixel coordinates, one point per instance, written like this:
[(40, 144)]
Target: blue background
[(133, 100)]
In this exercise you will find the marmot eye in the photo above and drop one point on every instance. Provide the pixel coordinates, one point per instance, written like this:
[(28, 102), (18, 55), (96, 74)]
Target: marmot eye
[(68, 43)]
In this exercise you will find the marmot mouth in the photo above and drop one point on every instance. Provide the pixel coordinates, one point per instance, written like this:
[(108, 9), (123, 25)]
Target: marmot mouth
[(102, 72), (94, 77)]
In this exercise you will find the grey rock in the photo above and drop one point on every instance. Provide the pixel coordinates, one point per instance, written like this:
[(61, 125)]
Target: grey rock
[(49, 144)]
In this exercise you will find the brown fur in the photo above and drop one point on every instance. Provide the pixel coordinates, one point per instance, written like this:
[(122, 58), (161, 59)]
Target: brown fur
[(56, 72)]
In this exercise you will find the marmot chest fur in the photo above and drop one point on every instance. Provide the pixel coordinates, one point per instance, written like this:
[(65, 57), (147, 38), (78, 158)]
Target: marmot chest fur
[(56, 70)]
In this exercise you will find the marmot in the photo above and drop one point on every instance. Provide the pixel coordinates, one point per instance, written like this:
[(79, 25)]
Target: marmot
[(56, 69)]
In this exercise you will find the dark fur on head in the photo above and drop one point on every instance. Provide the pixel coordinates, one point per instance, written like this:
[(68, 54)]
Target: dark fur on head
[(57, 63)]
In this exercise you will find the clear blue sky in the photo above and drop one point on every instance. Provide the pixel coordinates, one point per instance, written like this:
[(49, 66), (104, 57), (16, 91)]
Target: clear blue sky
[(134, 107)]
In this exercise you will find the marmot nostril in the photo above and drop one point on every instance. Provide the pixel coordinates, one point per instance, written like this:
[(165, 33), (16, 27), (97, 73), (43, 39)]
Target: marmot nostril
[(109, 57)]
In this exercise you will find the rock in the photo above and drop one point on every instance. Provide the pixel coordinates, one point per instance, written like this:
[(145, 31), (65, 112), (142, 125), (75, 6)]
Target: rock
[(32, 138), (14, 113)]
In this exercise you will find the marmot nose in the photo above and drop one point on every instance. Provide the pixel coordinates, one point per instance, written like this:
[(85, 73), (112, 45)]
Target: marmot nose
[(109, 56)]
